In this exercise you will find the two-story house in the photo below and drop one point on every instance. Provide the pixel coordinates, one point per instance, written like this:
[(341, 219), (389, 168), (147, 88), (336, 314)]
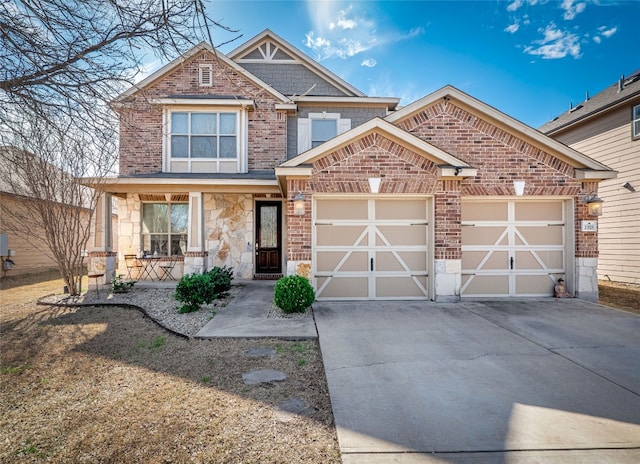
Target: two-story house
[(607, 128), (264, 160)]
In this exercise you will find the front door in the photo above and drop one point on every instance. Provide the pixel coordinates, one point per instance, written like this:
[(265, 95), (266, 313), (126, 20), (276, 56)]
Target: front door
[(268, 237)]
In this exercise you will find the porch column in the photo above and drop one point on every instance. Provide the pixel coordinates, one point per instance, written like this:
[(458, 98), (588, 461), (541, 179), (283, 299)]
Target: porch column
[(195, 257), (102, 258)]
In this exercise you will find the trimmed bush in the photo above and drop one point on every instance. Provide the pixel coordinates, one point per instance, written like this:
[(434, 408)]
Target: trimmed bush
[(221, 279), (293, 294), (194, 290)]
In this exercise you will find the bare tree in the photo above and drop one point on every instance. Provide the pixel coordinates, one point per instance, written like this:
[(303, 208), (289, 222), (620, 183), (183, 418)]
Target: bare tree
[(61, 62)]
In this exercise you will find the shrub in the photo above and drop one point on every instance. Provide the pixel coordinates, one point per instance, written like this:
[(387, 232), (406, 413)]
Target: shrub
[(221, 279), (121, 286), (293, 294), (194, 290)]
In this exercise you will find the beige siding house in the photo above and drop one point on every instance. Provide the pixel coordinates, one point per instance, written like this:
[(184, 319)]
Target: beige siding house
[(606, 127)]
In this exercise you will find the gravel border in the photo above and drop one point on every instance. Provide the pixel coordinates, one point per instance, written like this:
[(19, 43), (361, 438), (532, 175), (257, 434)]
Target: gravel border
[(156, 303)]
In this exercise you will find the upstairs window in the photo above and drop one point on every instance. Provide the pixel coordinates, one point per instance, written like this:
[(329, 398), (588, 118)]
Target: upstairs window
[(318, 128), (635, 123), (203, 142)]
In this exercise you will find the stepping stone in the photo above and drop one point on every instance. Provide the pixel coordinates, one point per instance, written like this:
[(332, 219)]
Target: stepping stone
[(288, 409), (263, 376), (260, 352)]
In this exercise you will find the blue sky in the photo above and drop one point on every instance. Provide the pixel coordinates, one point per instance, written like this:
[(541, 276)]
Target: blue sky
[(528, 58)]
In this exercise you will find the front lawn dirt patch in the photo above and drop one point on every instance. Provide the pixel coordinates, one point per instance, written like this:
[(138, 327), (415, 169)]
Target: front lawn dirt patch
[(106, 384), (620, 295)]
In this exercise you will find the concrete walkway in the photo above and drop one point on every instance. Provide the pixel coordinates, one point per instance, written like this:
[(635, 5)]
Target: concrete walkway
[(536, 381), (246, 316)]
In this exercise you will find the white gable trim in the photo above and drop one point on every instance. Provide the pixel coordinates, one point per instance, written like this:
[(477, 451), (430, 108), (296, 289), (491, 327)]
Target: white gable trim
[(299, 56)]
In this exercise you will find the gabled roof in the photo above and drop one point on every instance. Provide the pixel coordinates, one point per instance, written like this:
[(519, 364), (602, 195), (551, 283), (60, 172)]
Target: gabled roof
[(623, 91), (448, 165), (295, 55), (201, 47), (586, 167)]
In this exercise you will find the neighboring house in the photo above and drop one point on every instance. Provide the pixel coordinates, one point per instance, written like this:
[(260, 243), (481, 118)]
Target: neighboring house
[(606, 127), (265, 161), (21, 225)]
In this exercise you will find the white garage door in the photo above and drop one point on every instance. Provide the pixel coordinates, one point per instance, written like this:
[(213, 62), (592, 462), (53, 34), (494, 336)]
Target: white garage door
[(512, 248), (371, 249)]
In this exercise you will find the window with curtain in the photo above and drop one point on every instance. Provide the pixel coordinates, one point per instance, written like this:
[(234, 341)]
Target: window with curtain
[(636, 122), (164, 228)]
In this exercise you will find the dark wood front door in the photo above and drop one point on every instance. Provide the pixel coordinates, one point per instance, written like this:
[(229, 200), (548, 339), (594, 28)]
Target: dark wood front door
[(268, 237)]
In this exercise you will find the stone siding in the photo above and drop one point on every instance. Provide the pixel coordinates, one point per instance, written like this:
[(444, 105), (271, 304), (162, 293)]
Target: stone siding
[(229, 232)]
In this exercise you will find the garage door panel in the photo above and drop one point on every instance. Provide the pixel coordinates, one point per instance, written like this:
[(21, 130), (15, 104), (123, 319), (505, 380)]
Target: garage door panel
[(339, 261), (343, 287), (485, 211), (479, 285), (534, 285), (538, 211), (547, 235), (484, 235), (552, 260), (400, 210), (401, 287), (401, 235), (342, 209), (343, 235)]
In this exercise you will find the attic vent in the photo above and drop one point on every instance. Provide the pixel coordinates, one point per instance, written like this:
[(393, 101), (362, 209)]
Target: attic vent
[(577, 107), (206, 75)]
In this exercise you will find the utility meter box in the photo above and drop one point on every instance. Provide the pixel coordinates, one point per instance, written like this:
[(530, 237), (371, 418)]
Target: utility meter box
[(4, 245)]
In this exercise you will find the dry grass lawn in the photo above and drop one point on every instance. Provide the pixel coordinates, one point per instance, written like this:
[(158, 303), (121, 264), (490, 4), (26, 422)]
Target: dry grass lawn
[(108, 385)]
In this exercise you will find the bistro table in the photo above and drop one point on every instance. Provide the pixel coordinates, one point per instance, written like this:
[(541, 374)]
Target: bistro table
[(149, 268)]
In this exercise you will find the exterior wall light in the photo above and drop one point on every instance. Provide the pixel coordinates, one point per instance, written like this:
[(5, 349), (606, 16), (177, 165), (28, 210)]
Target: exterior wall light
[(374, 184), (298, 205), (594, 205), (518, 186)]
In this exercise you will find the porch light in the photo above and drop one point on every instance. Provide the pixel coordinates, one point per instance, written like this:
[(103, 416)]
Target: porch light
[(298, 204), (594, 205), (518, 186), (374, 184)]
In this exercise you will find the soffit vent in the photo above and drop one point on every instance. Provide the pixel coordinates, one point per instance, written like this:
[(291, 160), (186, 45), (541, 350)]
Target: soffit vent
[(180, 197), (153, 197)]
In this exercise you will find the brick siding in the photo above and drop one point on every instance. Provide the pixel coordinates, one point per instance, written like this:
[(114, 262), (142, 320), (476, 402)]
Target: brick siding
[(141, 121)]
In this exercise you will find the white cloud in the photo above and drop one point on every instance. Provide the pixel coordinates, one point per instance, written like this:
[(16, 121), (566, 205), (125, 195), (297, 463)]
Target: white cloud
[(369, 63), (555, 44), (513, 28), (572, 9), (607, 32), (597, 39), (345, 32), (515, 5)]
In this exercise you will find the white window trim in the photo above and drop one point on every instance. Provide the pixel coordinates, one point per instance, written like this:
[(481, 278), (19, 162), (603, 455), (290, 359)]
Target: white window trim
[(242, 141), (635, 120), (304, 128)]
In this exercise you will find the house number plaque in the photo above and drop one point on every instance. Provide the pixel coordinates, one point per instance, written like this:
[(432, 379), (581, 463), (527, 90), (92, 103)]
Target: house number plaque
[(589, 226)]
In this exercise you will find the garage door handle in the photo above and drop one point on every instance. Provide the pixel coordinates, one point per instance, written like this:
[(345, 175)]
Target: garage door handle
[(371, 264), (512, 260)]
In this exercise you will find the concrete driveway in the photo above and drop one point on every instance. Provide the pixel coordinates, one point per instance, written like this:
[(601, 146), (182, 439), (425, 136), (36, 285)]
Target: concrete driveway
[(549, 381)]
